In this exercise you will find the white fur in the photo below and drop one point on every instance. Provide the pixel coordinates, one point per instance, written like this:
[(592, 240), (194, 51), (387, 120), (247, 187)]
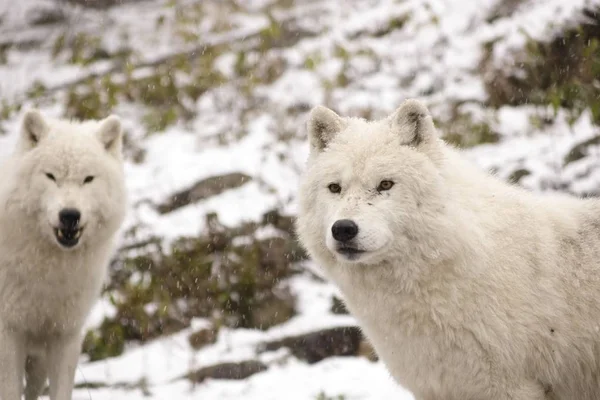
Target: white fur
[(46, 289), (469, 289)]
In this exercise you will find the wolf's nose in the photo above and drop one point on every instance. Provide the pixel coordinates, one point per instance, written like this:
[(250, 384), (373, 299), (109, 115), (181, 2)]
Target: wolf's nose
[(344, 230), (69, 217)]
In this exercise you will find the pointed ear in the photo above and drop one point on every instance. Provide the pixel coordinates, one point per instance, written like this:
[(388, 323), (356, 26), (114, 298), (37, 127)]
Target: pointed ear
[(413, 123), (323, 125), (110, 135), (33, 130)]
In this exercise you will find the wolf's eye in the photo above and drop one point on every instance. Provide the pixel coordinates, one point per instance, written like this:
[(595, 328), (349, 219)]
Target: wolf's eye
[(385, 185), (334, 188), (50, 176), (88, 179)]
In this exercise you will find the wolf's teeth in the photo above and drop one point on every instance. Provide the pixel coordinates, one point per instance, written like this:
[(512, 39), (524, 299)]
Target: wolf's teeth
[(60, 234), (77, 234)]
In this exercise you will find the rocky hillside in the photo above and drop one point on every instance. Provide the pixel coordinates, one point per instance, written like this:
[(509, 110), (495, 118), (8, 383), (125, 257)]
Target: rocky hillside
[(209, 295)]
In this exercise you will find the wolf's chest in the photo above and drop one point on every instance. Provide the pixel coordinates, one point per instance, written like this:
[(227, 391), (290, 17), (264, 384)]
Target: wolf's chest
[(422, 343), (41, 299)]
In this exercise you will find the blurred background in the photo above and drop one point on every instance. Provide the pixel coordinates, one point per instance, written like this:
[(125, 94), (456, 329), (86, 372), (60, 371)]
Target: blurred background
[(209, 294)]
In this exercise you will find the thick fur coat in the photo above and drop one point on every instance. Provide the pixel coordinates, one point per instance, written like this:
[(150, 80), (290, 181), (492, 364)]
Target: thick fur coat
[(468, 288), (62, 200)]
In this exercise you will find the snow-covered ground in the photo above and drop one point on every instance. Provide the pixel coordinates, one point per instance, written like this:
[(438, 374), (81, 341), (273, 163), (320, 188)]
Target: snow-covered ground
[(162, 362), (362, 58)]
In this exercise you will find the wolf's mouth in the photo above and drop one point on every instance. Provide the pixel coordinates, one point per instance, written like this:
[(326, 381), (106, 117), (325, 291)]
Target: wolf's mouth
[(68, 237), (349, 251)]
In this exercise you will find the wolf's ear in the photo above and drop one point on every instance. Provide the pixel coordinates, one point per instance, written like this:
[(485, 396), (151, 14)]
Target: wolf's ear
[(323, 125), (33, 130), (110, 135), (413, 123)]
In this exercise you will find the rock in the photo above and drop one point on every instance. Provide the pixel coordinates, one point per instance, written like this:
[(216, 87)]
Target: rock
[(516, 176), (203, 189), (338, 306), (580, 150), (504, 9), (279, 221), (47, 14), (276, 256), (202, 338), (237, 371), (365, 349), (102, 4), (276, 309), (316, 346)]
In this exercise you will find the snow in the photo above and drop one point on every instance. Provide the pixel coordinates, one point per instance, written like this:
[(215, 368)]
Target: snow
[(352, 378), (161, 362), (434, 56)]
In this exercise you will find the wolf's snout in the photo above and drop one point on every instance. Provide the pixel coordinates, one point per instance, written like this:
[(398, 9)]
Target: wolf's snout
[(344, 230), (69, 218), (69, 230)]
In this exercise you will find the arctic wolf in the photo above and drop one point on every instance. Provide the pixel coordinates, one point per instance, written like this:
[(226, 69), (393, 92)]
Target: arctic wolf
[(468, 288), (62, 199)]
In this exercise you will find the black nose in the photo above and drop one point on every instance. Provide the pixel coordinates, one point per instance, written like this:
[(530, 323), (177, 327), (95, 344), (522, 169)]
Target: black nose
[(69, 217), (344, 230)]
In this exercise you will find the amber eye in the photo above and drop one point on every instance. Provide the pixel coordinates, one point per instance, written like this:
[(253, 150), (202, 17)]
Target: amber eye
[(385, 185), (88, 179), (334, 188), (50, 176)]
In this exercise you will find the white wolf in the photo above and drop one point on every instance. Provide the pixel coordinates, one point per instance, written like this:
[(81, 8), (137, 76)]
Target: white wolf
[(62, 200), (468, 288)]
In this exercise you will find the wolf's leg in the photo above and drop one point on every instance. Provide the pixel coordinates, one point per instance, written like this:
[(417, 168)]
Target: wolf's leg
[(12, 364), (63, 355), (35, 377)]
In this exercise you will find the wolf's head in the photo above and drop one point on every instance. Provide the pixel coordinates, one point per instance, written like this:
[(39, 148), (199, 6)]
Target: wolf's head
[(370, 188), (68, 183)]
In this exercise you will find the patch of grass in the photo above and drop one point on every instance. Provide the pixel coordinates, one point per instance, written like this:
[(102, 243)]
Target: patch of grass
[(157, 89), (254, 69), (227, 275), (4, 48), (7, 110), (283, 4), (394, 23), (312, 61), (94, 99), (563, 72), (270, 35), (106, 341), (157, 120), (187, 18), (341, 53), (59, 44), (462, 131), (83, 49), (164, 97), (342, 80), (281, 34), (37, 90)]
